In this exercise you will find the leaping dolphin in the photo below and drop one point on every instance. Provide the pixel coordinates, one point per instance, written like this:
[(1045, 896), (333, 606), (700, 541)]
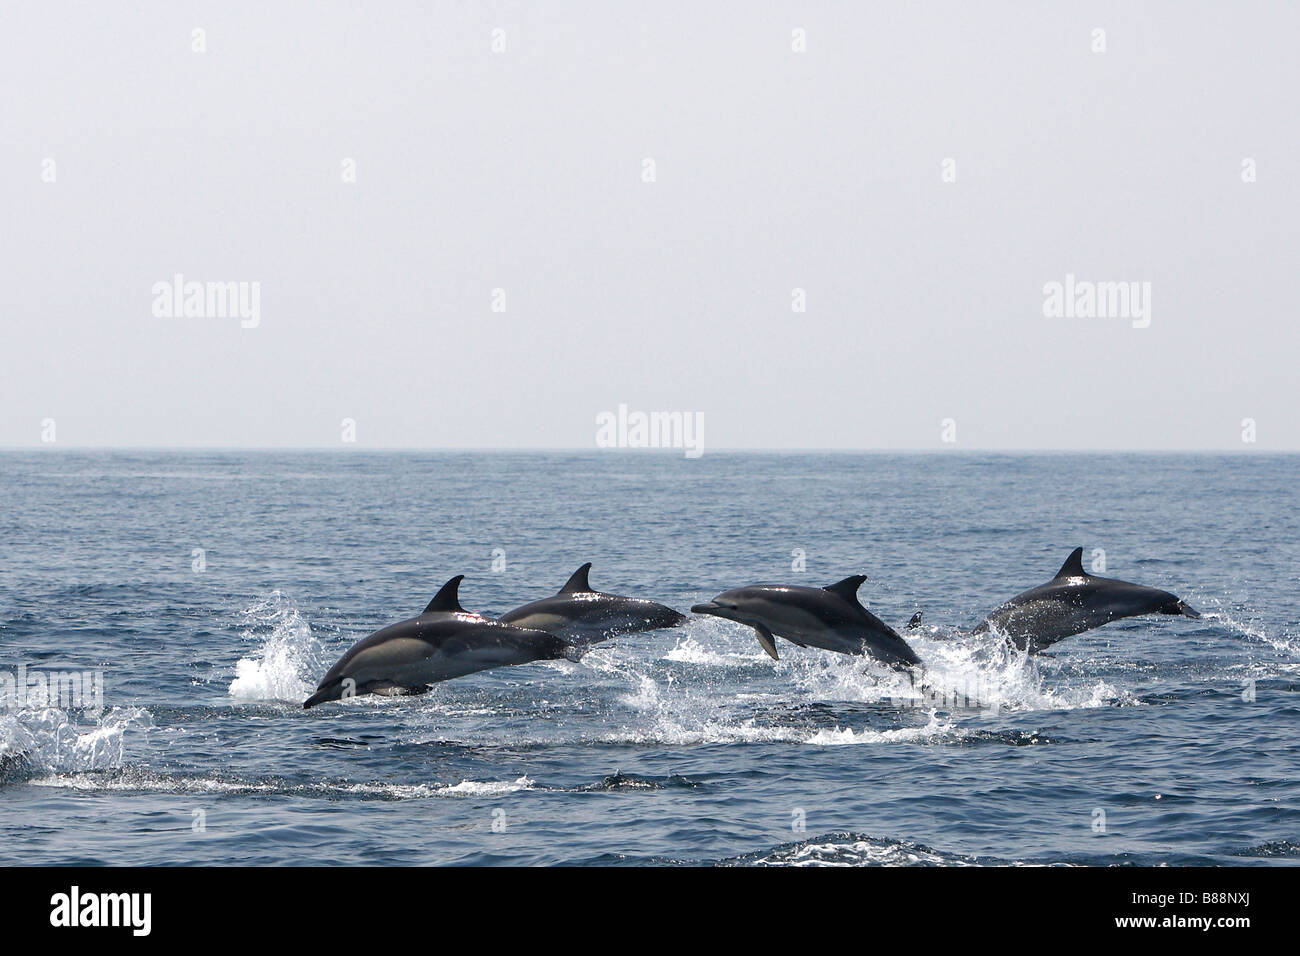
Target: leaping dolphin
[(831, 618), (1072, 602), (585, 616), (444, 642)]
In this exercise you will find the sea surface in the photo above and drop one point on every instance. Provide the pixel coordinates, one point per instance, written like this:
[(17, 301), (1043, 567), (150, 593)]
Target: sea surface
[(210, 591)]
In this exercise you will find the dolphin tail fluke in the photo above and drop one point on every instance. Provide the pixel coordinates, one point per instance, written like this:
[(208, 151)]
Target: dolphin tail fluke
[(907, 658)]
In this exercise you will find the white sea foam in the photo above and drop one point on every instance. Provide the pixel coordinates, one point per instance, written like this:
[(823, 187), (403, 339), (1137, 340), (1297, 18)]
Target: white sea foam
[(475, 788), (149, 782), (851, 850), (934, 730)]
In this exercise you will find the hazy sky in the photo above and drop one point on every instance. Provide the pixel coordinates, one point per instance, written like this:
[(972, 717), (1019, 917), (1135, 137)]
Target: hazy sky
[(773, 170)]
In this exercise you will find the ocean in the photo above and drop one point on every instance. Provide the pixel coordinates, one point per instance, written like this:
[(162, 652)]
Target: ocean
[(204, 593)]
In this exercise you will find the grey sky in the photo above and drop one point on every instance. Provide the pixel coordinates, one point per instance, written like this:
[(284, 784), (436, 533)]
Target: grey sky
[(775, 170)]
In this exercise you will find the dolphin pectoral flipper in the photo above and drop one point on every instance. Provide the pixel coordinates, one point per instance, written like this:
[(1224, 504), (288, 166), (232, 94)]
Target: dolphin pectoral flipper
[(767, 640)]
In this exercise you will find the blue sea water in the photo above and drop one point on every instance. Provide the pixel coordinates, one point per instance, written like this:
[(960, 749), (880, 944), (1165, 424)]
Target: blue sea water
[(1151, 740)]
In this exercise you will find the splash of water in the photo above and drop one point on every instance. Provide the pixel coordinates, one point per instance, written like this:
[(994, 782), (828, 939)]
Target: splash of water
[(687, 650), (287, 659), (50, 740)]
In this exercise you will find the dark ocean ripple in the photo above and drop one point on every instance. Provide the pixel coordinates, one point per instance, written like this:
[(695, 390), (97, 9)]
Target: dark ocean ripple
[(1152, 740)]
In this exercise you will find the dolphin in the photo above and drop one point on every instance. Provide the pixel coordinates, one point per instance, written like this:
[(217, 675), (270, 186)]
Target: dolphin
[(585, 616), (831, 618), (444, 642), (1072, 602)]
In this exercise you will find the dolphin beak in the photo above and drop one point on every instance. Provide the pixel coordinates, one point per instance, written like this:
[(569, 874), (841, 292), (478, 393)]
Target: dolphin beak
[(708, 607), (1188, 611)]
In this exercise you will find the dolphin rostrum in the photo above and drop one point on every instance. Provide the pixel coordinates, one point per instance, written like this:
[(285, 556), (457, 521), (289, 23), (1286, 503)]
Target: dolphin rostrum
[(585, 616), (831, 618), (1072, 602), (444, 642)]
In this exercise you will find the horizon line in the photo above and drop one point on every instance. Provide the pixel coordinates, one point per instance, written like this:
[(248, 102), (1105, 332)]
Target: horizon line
[(675, 452)]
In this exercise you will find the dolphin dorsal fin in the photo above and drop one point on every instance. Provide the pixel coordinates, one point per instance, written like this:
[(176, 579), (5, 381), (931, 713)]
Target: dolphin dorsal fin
[(1073, 566), (447, 599), (848, 588), (577, 582)]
